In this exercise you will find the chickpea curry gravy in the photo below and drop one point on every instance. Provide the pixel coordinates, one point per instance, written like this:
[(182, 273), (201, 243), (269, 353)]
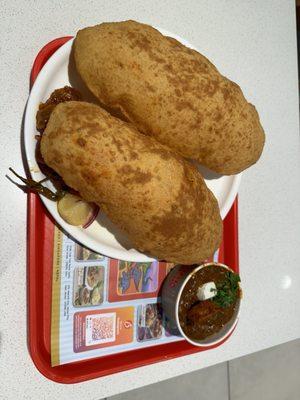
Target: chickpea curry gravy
[(61, 95), (201, 319)]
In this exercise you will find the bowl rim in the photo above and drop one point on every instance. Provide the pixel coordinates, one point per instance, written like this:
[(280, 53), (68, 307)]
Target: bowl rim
[(231, 324)]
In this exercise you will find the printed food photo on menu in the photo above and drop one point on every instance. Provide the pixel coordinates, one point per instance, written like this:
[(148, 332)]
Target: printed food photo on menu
[(149, 321), (84, 254), (88, 286), (132, 280)]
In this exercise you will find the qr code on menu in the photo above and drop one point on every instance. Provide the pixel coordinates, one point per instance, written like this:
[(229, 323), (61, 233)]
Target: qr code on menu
[(100, 328)]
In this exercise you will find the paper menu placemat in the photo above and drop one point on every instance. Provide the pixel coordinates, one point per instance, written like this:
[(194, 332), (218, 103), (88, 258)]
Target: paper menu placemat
[(102, 306)]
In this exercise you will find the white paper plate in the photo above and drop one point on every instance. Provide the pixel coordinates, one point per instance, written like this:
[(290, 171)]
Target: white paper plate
[(101, 236)]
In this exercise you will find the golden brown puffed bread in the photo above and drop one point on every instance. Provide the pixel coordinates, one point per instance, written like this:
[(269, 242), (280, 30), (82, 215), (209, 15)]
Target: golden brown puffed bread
[(156, 197), (170, 92)]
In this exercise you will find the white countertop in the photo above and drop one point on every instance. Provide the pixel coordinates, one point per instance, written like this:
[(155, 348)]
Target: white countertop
[(251, 42)]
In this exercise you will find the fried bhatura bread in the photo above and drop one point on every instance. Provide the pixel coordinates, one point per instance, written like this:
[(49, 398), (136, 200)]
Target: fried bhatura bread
[(170, 92), (153, 195)]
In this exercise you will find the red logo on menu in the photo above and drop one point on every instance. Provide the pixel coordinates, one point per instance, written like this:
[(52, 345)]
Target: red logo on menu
[(127, 324)]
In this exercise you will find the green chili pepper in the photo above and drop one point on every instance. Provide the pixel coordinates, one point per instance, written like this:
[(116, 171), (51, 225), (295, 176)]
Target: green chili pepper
[(37, 187)]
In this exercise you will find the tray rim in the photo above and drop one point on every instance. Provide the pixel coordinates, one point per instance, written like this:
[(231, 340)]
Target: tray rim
[(37, 220)]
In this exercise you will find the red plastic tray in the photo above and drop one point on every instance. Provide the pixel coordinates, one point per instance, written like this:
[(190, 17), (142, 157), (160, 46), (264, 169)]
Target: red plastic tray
[(40, 247)]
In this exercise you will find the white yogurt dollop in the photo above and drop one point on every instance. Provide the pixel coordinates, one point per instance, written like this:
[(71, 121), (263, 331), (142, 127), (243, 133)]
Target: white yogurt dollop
[(207, 291)]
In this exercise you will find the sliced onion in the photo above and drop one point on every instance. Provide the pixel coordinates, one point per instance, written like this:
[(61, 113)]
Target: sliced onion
[(93, 215), (76, 211)]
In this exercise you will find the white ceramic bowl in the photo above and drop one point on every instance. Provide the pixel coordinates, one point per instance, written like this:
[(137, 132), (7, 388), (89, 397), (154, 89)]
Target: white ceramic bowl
[(101, 236), (172, 289)]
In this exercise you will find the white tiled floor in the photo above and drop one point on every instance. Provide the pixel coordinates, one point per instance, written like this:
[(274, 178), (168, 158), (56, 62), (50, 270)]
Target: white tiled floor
[(272, 374), (198, 385)]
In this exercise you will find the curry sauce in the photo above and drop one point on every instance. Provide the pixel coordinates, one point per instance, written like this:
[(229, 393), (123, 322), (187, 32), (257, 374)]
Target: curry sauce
[(201, 319)]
